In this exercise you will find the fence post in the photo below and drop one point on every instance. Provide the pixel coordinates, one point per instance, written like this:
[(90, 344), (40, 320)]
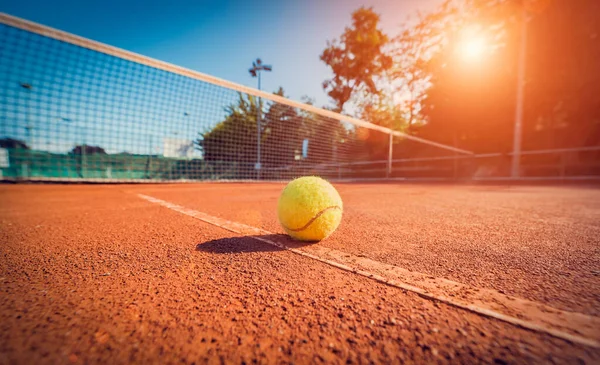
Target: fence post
[(455, 159), (389, 162), (563, 164)]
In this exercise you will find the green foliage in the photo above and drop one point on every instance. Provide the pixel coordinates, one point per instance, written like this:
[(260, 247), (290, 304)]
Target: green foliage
[(12, 143), (233, 139), (283, 130), (87, 150)]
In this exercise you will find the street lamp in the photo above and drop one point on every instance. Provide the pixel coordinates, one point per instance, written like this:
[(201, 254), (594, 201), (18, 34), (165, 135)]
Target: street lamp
[(25, 166), (529, 8), (517, 136), (257, 67)]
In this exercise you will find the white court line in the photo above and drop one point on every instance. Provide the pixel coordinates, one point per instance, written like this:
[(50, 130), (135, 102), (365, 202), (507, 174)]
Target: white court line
[(574, 327)]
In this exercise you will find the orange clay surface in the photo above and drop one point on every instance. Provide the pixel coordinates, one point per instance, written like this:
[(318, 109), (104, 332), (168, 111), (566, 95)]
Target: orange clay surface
[(95, 274)]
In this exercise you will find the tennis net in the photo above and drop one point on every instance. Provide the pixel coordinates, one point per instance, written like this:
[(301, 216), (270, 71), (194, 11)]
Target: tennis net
[(72, 109)]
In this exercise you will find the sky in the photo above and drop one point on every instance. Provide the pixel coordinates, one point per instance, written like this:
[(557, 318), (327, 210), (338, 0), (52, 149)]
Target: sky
[(222, 38)]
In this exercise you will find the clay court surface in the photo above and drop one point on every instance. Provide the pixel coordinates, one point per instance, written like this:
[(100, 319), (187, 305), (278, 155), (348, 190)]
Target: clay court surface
[(135, 274)]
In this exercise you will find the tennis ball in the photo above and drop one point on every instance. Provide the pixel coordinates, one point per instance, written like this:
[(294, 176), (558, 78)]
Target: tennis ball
[(309, 208)]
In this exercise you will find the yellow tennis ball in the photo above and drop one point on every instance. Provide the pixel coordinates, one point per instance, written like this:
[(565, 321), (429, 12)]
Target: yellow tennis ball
[(309, 208)]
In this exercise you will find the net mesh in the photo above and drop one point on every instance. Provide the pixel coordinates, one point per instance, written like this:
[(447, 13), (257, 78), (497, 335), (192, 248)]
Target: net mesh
[(71, 108)]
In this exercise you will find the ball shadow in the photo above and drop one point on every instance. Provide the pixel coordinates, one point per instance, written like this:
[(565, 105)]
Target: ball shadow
[(250, 244)]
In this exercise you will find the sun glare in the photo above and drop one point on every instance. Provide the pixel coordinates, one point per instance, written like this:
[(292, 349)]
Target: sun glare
[(472, 44)]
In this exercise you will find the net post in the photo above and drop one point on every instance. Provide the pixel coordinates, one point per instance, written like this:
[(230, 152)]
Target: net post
[(563, 164), (455, 159), (389, 161)]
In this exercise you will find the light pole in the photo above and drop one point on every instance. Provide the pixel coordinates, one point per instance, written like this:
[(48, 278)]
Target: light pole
[(28, 127), (255, 70), (25, 168), (517, 137)]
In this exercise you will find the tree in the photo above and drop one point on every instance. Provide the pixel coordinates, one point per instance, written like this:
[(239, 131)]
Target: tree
[(283, 133), (13, 143), (473, 104), (357, 59), (88, 150), (327, 136), (412, 49), (234, 138), (563, 74)]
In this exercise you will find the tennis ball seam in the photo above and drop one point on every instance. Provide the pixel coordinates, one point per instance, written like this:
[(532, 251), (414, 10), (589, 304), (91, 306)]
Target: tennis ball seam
[(313, 219)]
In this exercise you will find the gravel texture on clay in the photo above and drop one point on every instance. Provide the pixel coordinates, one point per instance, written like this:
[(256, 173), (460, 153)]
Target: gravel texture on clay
[(94, 274), (540, 243)]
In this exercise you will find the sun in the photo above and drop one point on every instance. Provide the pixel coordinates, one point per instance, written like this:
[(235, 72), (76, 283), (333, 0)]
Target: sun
[(473, 48), (472, 44)]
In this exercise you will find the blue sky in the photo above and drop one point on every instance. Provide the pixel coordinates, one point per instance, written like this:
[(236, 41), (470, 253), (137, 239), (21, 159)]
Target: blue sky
[(221, 38)]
